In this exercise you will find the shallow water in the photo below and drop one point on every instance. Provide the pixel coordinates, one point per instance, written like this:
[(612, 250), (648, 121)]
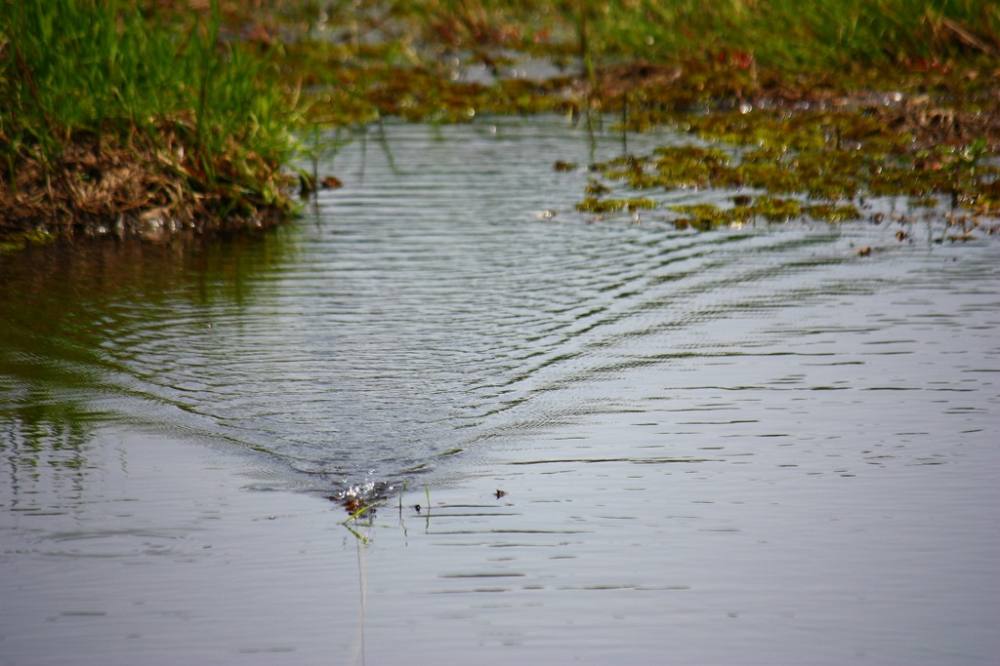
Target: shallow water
[(744, 446)]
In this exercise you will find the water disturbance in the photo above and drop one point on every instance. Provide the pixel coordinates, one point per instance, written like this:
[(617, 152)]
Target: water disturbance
[(758, 418)]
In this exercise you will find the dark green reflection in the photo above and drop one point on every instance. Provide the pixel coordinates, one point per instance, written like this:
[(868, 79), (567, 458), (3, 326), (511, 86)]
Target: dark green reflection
[(67, 313)]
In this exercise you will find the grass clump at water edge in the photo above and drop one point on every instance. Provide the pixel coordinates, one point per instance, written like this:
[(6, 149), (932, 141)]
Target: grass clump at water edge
[(114, 119)]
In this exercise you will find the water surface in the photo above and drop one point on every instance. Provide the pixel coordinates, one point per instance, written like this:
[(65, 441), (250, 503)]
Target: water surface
[(744, 446)]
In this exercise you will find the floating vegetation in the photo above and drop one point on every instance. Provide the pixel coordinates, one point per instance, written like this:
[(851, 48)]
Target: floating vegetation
[(595, 205), (831, 159), (704, 217), (832, 213), (356, 86), (596, 188)]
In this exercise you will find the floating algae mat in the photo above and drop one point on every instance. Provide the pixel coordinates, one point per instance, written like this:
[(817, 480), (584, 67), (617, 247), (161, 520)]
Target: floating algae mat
[(823, 165)]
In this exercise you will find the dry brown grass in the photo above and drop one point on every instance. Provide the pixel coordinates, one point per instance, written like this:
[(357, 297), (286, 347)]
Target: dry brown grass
[(100, 185)]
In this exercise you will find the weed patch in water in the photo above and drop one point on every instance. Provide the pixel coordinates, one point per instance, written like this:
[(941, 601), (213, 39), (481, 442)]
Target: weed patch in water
[(704, 217), (595, 205), (830, 158)]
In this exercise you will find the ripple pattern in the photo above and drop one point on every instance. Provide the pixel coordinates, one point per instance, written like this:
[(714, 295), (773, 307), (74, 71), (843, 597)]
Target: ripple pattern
[(426, 307)]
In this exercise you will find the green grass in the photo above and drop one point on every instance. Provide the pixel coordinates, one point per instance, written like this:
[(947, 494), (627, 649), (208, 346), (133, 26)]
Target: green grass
[(730, 49), (105, 70), (182, 96), (787, 34), (794, 34)]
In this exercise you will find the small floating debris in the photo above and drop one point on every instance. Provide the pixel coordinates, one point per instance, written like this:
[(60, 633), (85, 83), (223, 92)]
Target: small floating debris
[(307, 185), (546, 214), (596, 188), (864, 251), (560, 165), (354, 505), (500, 493)]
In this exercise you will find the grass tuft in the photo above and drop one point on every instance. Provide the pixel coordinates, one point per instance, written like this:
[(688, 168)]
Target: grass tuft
[(111, 114)]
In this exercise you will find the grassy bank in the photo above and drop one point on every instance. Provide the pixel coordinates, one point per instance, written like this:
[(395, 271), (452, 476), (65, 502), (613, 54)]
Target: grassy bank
[(778, 33), (795, 36), (118, 119), (150, 116)]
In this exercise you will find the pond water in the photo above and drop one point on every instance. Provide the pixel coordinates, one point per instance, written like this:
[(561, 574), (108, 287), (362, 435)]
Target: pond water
[(744, 446)]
